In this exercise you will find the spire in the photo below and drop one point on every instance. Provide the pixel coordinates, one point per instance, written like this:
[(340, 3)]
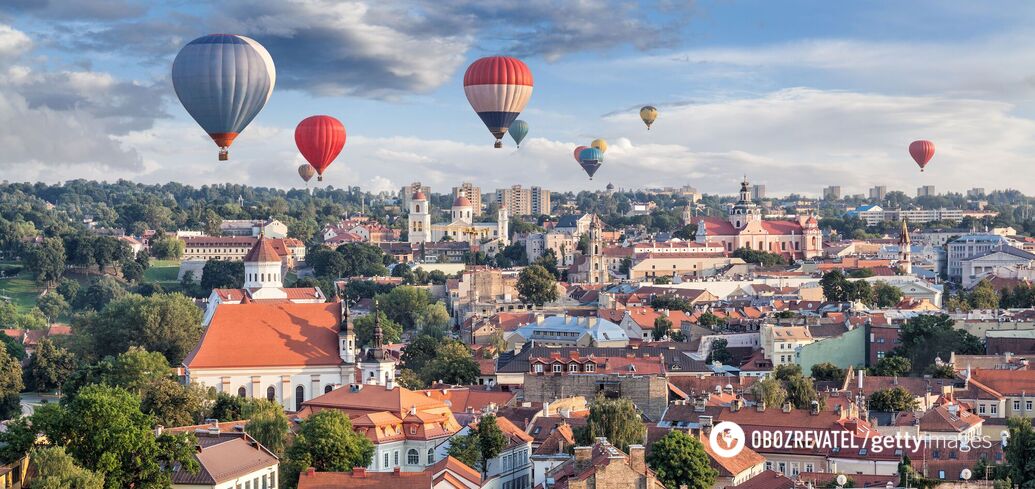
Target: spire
[(903, 237), (379, 336)]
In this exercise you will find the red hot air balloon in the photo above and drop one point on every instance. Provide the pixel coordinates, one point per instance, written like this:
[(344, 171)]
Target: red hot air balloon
[(320, 138), (922, 151), (579, 150)]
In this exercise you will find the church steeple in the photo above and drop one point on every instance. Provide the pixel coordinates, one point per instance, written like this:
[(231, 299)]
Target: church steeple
[(377, 366), (904, 249)]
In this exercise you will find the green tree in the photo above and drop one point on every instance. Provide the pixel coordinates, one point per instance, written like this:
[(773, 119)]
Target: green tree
[(434, 316), (679, 459), (466, 449), (175, 404), (835, 286), (763, 258), (405, 305), (362, 259), (453, 364), (11, 385), (893, 365), (55, 469), (885, 294), (132, 271), (133, 370), (618, 420), (491, 440), (68, 289), (49, 367), (46, 260), (926, 337), (828, 372), (719, 352), (13, 347), (100, 292), (1020, 451), (710, 320), (983, 296), (269, 426), (548, 261), (536, 286), (166, 323), (364, 328), (787, 372), (662, 280), (801, 392), (327, 442), (769, 391), (420, 351), (228, 407), (409, 379), (662, 328), (892, 399), (167, 247), (222, 274), (103, 429), (52, 305)]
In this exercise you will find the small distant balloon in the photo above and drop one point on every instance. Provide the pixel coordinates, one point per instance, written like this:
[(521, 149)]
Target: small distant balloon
[(922, 151), (648, 114), (579, 150), (518, 131), (307, 172), (600, 144), (590, 160)]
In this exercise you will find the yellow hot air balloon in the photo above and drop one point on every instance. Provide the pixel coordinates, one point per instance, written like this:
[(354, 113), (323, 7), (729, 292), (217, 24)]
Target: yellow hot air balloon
[(599, 144), (648, 113)]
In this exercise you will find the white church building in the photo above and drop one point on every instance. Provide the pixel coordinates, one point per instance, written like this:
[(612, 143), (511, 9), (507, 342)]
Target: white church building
[(461, 226)]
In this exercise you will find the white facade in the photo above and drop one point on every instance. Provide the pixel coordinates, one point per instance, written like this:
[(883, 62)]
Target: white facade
[(289, 386), (969, 246), (267, 477)]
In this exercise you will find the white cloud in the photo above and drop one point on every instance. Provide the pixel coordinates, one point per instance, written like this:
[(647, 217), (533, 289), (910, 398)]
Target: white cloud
[(13, 42)]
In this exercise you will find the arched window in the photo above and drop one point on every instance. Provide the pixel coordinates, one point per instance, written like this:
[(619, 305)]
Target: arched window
[(387, 377), (431, 456), (242, 392), (418, 208), (327, 388), (412, 457), (271, 393), (299, 397)]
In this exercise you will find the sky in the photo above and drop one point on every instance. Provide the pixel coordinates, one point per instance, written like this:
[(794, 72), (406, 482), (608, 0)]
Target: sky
[(795, 95)]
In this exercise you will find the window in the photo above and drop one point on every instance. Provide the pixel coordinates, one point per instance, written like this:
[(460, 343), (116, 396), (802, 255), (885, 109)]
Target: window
[(810, 468), (590, 367), (396, 457), (782, 468), (539, 369), (556, 368), (412, 457), (993, 409), (1017, 405), (981, 409), (327, 388), (299, 397), (768, 466), (242, 392), (431, 456), (573, 367), (1027, 405), (385, 466), (413, 430), (271, 393)]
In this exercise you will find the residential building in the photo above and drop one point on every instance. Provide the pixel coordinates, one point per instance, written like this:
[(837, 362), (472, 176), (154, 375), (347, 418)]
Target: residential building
[(874, 214), (650, 266), (569, 331), (199, 250), (406, 193), (512, 468), (271, 228), (926, 191), (564, 246), (744, 227), (969, 246), (461, 228), (758, 193), (987, 264), (449, 473), (227, 459), (779, 343), (481, 287), (518, 201), (574, 224), (832, 192), (604, 466), (472, 193), (878, 192), (975, 193)]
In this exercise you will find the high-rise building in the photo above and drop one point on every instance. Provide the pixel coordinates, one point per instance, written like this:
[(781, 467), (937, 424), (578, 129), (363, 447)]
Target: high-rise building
[(832, 192), (520, 201), (976, 193), (757, 192), (878, 192), (926, 191), (472, 192), (407, 192)]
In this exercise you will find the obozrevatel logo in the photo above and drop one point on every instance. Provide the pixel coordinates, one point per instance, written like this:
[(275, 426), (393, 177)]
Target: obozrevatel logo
[(727, 439)]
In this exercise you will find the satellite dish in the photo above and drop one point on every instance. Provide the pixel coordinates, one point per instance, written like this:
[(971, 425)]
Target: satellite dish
[(965, 474), (841, 479)]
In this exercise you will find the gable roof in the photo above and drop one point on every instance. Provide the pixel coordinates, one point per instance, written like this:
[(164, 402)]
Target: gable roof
[(223, 457)]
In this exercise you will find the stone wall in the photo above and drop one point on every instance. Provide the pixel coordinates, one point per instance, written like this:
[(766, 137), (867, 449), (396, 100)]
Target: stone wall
[(649, 393)]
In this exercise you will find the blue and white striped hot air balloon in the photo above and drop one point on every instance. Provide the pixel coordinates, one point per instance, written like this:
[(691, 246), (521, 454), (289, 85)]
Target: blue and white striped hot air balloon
[(498, 87), (223, 80)]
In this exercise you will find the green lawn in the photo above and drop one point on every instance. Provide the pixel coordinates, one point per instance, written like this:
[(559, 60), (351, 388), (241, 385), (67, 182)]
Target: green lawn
[(162, 271), (21, 290)]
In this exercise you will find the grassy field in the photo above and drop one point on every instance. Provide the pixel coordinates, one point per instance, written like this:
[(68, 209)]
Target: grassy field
[(20, 290), (162, 271)]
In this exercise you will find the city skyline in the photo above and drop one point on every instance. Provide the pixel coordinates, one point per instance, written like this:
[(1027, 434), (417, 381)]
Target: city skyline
[(741, 88)]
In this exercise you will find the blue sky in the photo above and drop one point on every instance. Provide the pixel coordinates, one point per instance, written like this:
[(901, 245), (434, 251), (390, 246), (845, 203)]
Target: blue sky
[(797, 95)]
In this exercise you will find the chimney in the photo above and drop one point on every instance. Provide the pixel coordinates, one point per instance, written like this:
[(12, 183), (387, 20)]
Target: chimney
[(397, 471), (637, 462), (583, 458), (357, 472), (310, 471), (861, 374), (389, 384), (760, 407), (787, 407), (815, 408)]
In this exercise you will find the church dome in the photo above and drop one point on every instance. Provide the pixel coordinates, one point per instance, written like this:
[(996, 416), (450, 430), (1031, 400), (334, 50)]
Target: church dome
[(461, 201)]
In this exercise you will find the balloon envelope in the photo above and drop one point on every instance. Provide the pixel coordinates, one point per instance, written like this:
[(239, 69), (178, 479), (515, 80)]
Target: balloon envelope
[(518, 131), (307, 172), (922, 151), (223, 81), (579, 150), (648, 114), (600, 144), (590, 160), (320, 139), (498, 88)]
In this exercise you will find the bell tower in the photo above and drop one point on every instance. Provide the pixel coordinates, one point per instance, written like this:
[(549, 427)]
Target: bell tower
[(419, 219)]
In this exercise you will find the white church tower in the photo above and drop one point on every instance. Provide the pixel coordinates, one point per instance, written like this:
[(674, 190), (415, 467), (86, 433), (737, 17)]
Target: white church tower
[(503, 226), (463, 210), (419, 219), (262, 271)]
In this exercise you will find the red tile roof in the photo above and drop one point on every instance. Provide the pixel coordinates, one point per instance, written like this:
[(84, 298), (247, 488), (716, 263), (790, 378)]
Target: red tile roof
[(262, 251), (360, 478), (269, 334), (766, 480)]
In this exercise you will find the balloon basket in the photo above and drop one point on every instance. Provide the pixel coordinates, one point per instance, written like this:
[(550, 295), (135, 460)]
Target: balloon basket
[(319, 178), (499, 144), (224, 156)]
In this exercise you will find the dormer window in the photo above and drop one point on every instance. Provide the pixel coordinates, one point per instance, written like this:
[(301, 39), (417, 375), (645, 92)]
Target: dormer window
[(590, 367), (538, 368), (573, 367), (556, 368)]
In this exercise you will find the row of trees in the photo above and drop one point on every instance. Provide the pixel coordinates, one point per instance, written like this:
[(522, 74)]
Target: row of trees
[(838, 288)]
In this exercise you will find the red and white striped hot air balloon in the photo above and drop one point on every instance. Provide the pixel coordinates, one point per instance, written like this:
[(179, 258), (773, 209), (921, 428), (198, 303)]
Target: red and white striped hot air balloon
[(498, 87), (922, 151)]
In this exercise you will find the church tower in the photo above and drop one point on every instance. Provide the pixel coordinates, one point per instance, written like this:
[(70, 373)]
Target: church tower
[(597, 268), (744, 211), (419, 219), (503, 226), (347, 337), (463, 210), (262, 271), (377, 367), (905, 253)]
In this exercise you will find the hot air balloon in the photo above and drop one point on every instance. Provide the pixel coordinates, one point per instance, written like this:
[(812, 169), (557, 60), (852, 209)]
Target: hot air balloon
[(648, 113), (306, 171), (498, 88), (579, 150), (599, 144), (518, 131), (590, 160), (320, 138), (922, 151), (223, 81)]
